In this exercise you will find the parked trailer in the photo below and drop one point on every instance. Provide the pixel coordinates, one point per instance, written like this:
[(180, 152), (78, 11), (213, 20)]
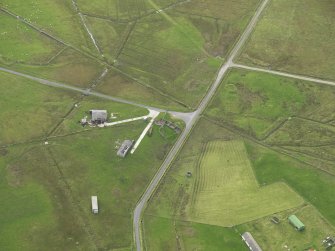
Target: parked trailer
[(95, 208)]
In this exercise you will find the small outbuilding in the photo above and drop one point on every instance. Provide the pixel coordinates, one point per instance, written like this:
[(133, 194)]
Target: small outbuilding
[(250, 241), (125, 148), (99, 116), (294, 220), (95, 208)]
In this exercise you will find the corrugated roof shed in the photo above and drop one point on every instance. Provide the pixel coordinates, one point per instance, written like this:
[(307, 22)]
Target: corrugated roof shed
[(294, 220), (99, 115), (250, 241), (124, 148)]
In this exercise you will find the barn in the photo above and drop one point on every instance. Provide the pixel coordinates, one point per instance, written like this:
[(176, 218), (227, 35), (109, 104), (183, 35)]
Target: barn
[(99, 116)]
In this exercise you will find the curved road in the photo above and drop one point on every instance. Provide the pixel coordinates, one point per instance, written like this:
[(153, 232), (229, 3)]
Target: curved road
[(192, 120)]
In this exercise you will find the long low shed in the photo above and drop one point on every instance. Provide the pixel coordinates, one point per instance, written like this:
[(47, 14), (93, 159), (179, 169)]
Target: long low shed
[(294, 220), (250, 241)]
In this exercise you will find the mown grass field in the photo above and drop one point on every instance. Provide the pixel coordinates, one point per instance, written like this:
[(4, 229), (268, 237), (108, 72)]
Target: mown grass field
[(294, 36), (307, 113), (294, 117), (176, 205), (226, 192)]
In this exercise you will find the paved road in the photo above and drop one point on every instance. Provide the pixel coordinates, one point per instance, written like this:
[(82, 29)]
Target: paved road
[(279, 73), (80, 90), (192, 119)]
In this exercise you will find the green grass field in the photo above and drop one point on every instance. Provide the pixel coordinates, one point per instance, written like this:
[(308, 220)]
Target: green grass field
[(58, 18), (32, 216), (226, 192), (69, 67), (169, 57), (258, 103), (293, 133), (21, 44), (263, 147), (118, 182), (175, 203), (167, 53), (28, 109), (275, 237), (174, 52), (122, 10), (169, 234), (117, 84), (313, 184), (220, 22), (51, 186), (47, 188), (295, 38)]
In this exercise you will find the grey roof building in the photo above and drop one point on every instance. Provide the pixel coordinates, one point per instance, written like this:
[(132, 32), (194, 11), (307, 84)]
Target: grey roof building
[(125, 148), (99, 116), (250, 241)]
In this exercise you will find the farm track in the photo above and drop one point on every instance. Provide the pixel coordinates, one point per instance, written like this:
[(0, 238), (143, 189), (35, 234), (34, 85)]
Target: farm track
[(284, 74)]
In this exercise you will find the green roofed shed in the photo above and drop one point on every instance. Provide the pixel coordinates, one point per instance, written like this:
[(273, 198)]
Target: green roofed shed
[(296, 222)]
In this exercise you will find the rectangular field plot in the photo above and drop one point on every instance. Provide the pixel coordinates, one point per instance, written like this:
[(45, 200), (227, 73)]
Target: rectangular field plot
[(295, 36), (227, 192)]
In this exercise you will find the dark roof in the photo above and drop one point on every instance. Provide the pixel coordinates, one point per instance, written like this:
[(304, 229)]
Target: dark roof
[(99, 115), (250, 241)]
